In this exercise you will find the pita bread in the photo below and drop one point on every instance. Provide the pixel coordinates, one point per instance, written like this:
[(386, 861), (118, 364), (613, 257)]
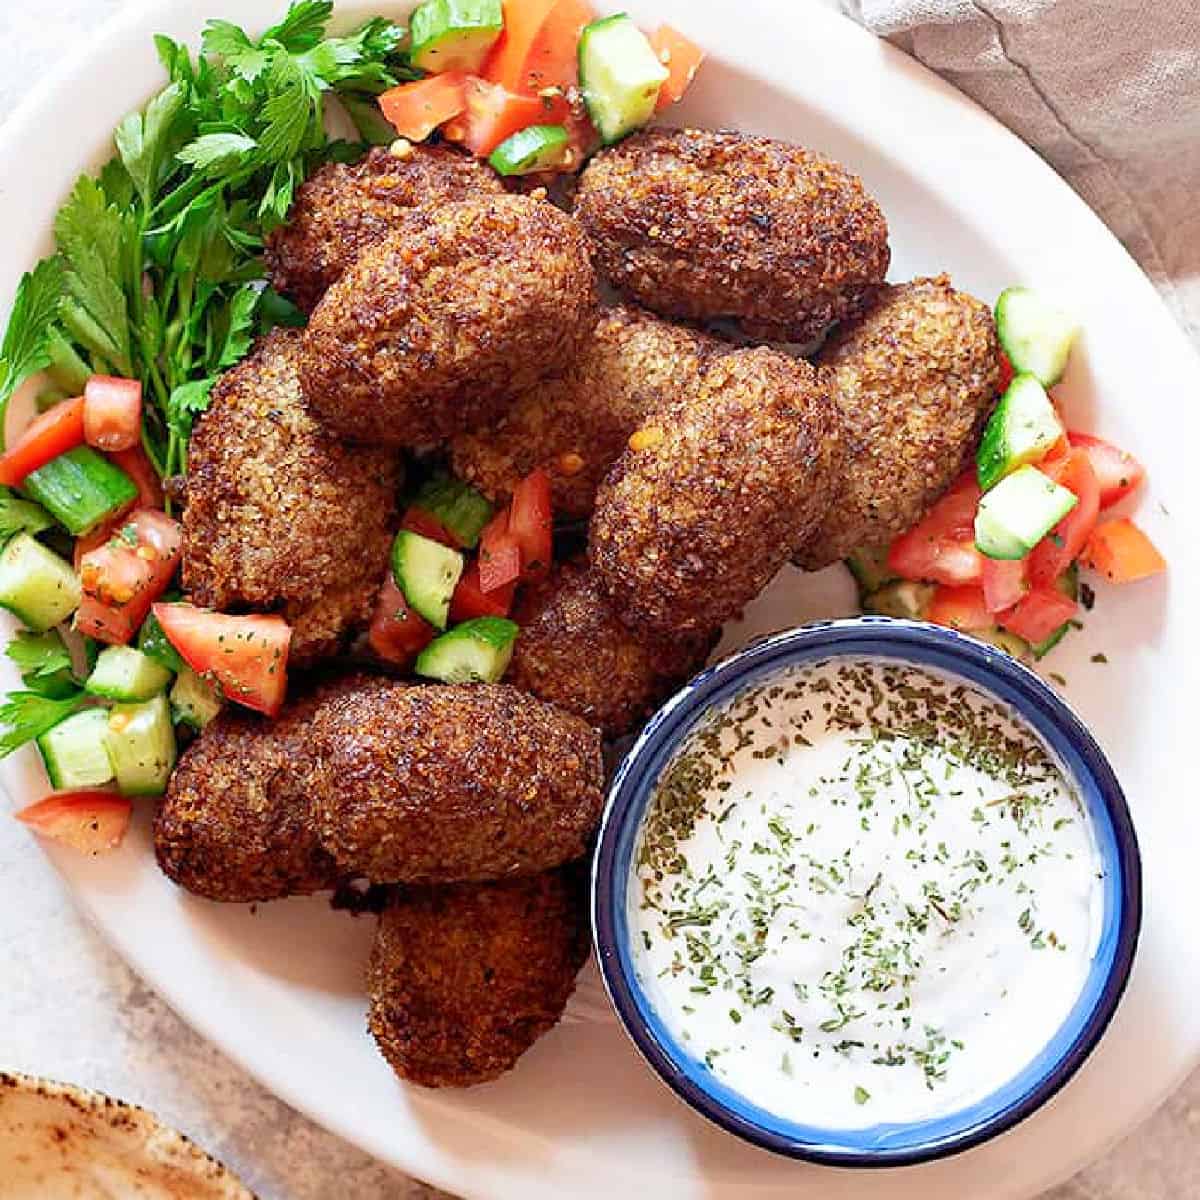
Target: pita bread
[(60, 1142)]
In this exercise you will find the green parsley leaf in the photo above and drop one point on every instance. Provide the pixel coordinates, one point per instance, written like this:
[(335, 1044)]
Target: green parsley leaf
[(303, 27), (145, 140), (224, 40), (24, 350), (18, 515), (44, 663), (26, 716), (185, 404), (211, 153), (241, 325)]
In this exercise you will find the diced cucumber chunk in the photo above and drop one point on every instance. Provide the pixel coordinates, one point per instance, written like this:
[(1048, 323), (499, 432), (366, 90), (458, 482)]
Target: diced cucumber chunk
[(457, 506), (37, 586), (1021, 430), (454, 35), (141, 744), (620, 75), (477, 651), (80, 489), (193, 701), (1036, 336), (535, 148), (123, 673), (1018, 512), (75, 751), (1018, 647), (903, 598), (870, 570), (152, 642), (427, 573)]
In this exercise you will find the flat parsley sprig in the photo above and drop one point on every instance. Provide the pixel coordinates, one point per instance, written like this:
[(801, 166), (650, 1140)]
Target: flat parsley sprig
[(158, 272)]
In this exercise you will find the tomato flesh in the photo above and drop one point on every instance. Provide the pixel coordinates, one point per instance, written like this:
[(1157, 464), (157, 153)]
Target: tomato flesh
[(1117, 471), (124, 575), (470, 600), (1039, 614), (682, 58), (553, 59), (112, 412), (531, 523), (1064, 543), (493, 113), (56, 431), (397, 634), (940, 548), (499, 555), (960, 608), (417, 109), (245, 655), (507, 64), (137, 465), (89, 821), (418, 520), (1122, 553), (1005, 582)]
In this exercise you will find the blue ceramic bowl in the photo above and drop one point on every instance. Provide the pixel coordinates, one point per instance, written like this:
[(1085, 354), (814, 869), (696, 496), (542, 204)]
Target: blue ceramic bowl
[(989, 670)]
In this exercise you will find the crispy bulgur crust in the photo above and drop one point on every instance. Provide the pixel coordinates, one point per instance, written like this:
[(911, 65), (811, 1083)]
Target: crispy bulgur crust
[(729, 481), (343, 208), (574, 652), (445, 783), (464, 979), (914, 379), (236, 822), (700, 224), (575, 425), (280, 515), (438, 328)]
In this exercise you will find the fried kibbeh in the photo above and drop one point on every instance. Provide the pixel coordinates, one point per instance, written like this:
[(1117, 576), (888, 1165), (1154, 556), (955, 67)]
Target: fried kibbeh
[(704, 225), (464, 979), (914, 379), (445, 783), (441, 325), (715, 493), (282, 516), (344, 207)]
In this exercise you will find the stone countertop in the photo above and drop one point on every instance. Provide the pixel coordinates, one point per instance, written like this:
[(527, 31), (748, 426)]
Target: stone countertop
[(70, 1008)]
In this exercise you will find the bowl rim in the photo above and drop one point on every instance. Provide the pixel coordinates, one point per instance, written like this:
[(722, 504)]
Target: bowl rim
[(778, 650)]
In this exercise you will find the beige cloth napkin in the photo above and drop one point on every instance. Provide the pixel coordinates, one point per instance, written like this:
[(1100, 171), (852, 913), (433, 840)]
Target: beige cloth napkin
[(1107, 91)]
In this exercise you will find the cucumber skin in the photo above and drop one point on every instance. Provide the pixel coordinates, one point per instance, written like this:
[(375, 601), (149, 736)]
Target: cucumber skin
[(80, 489), (994, 458), (464, 511), (481, 20), (435, 610), (493, 636), (153, 643), (993, 540), (547, 143), (609, 134)]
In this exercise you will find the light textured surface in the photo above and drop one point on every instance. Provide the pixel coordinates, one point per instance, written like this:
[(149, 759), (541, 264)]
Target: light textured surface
[(70, 1009)]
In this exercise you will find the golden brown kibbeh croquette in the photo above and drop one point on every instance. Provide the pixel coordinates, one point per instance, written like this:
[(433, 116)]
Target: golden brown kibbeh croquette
[(702, 225), (280, 515), (575, 425), (914, 378), (448, 783), (438, 328), (343, 208), (464, 979), (236, 821), (575, 653), (715, 493)]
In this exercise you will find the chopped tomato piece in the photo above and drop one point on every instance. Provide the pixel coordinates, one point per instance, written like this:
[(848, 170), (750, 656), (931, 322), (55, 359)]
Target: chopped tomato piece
[(681, 56), (531, 522), (127, 573), (137, 465), (112, 412), (1063, 544), (245, 655), (1122, 553), (470, 600), (56, 431), (1039, 614), (1006, 374), (419, 520), (493, 113), (959, 608), (941, 547), (1117, 471), (553, 59), (507, 64), (1005, 582), (499, 555), (417, 109), (397, 634), (89, 821)]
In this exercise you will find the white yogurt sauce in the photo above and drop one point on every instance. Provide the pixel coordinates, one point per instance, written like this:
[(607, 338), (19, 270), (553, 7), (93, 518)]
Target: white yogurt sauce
[(864, 893)]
